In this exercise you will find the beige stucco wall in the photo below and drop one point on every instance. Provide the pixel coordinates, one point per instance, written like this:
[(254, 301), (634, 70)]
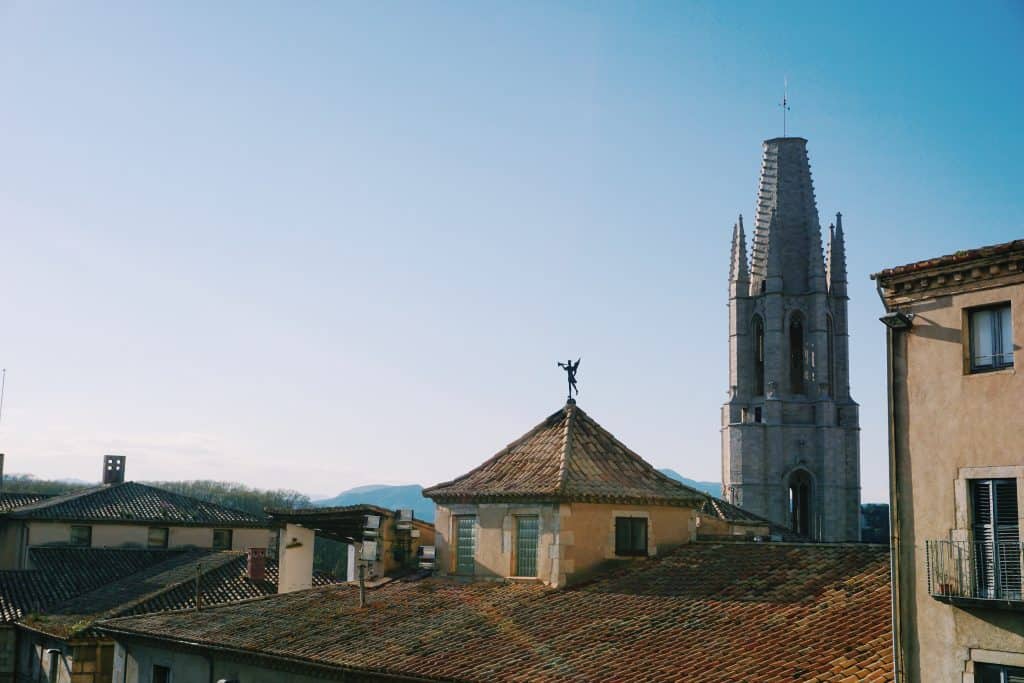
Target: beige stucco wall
[(575, 538), (956, 426), (495, 552), (588, 533)]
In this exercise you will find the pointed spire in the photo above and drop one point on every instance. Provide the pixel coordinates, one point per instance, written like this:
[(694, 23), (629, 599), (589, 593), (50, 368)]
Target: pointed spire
[(837, 259), (739, 273)]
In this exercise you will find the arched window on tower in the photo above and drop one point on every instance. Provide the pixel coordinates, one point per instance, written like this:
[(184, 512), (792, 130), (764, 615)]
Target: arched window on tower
[(758, 356), (800, 507), (796, 354), (831, 357)]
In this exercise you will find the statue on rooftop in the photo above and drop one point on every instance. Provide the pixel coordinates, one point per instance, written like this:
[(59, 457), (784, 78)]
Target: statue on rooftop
[(570, 370)]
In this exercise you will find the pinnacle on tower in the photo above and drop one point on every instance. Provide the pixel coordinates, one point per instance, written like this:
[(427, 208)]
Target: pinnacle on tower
[(837, 259), (739, 273)]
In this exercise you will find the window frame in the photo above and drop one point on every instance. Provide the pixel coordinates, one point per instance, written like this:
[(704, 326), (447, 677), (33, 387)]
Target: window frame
[(88, 535), (970, 367), (457, 544), (632, 550), (231, 539), (158, 546)]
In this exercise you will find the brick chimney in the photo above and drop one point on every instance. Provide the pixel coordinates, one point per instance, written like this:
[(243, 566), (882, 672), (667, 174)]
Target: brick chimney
[(256, 567), (113, 469)]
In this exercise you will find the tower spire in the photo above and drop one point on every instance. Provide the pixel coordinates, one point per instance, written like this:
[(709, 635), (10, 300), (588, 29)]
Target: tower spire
[(837, 258)]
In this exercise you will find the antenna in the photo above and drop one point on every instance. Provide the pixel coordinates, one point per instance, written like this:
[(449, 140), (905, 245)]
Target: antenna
[(3, 385), (784, 103)]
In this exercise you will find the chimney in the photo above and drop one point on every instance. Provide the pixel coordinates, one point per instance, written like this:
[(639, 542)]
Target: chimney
[(256, 567), (113, 469)]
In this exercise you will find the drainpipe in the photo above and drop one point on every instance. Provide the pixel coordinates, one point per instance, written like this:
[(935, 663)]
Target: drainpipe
[(894, 505)]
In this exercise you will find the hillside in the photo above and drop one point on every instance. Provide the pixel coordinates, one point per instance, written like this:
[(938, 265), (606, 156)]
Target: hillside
[(390, 497), (712, 487)]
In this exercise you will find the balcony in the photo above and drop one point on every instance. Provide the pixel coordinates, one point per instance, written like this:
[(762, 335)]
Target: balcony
[(970, 574)]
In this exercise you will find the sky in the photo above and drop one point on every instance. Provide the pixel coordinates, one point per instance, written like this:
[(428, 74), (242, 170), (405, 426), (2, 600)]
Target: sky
[(321, 245)]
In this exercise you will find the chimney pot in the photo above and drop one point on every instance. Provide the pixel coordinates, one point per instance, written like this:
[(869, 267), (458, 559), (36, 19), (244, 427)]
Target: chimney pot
[(113, 469), (256, 566)]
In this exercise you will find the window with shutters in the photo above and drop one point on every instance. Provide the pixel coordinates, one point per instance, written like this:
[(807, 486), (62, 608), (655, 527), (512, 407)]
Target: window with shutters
[(158, 536), (465, 544), (631, 536), (527, 535), (997, 673), (990, 332), (997, 542)]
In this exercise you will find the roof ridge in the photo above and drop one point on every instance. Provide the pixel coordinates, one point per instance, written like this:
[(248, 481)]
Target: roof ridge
[(566, 451)]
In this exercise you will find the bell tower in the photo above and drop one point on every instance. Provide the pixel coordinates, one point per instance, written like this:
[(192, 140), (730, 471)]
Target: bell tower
[(790, 430)]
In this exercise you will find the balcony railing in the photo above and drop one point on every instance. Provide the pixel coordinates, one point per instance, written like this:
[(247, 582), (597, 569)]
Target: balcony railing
[(971, 572)]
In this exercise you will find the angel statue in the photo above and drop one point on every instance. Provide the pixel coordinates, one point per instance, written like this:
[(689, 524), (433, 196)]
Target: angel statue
[(570, 370)]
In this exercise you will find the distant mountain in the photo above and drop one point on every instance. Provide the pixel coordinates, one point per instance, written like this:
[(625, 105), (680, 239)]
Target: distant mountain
[(712, 487), (390, 497)]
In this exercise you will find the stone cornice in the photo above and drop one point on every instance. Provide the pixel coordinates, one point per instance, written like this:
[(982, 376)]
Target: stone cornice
[(968, 271)]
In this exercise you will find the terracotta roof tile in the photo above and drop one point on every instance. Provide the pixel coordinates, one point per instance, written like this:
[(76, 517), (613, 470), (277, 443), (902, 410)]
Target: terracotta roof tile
[(11, 501), (131, 501), (569, 456), (165, 585), (61, 573), (728, 612)]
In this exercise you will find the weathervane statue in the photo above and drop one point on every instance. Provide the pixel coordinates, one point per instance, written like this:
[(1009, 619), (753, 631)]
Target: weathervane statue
[(570, 371)]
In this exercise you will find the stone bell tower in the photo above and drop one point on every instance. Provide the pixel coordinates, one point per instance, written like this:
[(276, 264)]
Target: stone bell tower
[(790, 430)]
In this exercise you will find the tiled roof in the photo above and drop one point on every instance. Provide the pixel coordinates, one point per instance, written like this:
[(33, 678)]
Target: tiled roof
[(131, 501), (10, 501), (60, 573), (759, 613), (734, 514), (164, 585), (953, 259), (568, 457)]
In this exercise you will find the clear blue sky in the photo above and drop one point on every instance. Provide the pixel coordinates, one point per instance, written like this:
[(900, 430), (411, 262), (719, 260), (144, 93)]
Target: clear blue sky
[(323, 245)]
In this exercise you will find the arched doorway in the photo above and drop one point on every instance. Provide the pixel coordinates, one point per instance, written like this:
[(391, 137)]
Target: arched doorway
[(800, 503)]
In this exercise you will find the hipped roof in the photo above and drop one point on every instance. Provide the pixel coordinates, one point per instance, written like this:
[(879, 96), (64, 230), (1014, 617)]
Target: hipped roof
[(567, 457)]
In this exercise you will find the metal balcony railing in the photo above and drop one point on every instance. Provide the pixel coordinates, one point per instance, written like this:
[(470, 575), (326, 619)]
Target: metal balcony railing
[(969, 571)]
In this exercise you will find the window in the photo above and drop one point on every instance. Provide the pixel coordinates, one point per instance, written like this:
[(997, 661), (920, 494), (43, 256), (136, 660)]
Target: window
[(161, 674), (465, 544), (222, 539), (997, 673), (800, 503), (157, 537), (796, 355), (631, 536), (81, 535), (991, 338), (7, 651), (758, 356), (527, 534), (997, 543)]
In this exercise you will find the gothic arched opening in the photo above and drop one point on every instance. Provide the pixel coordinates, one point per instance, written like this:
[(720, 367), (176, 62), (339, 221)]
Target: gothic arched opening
[(796, 354), (758, 356), (800, 505)]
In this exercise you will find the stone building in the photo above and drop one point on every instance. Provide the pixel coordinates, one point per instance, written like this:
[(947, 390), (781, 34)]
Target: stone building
[(790, 430), (956, 464), (562, 501)]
